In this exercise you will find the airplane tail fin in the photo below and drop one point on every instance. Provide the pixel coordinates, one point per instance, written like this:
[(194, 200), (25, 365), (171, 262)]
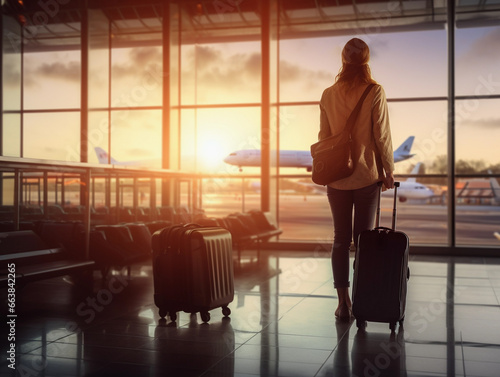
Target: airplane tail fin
[(405, 148), (415, 170), (102, 156)]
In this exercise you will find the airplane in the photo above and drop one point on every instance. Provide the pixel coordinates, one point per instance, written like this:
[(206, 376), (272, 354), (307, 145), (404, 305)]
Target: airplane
[(301, 159), (403, 151), (410, 188), (102, 156)]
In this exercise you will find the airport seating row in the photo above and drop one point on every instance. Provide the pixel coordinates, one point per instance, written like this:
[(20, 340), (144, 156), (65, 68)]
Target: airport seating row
[(99, 215), (26, 257), (119, 245), (254, 227), (48, 248)]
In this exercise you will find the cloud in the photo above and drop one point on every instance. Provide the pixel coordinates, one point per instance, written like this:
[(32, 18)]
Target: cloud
[(70, 71), (139, 59), (253, 65), (290, 72), (485, 48), (204, 55), (490, 123), (145, 55), (11, 75), (489, 46), (66, 71), (215, 68), (239, 69)]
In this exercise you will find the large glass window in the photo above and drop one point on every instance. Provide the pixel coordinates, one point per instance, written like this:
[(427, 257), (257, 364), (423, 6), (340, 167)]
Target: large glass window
[(134, 137), (477, 130), (308, 66), (11, 79), (476, 61), (208, 136), (11, 141), (98, 136), (52, 80), (477, 133), (52, 136), (99, 60), (408, 80), (11, 88), (136, 77), (223, 73)]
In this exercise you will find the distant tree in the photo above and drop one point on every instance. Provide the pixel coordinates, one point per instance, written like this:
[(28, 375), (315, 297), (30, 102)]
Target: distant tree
[(439, 166), (470, 167), (495, 169)]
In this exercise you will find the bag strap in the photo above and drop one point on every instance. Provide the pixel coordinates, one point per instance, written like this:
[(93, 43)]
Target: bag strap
[(354, 115)]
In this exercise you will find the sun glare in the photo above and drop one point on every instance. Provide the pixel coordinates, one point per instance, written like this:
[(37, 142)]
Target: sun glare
[(211, 153)]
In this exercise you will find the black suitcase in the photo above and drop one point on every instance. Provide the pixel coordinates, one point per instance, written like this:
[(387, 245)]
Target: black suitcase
[(192, 270), (381, 273)]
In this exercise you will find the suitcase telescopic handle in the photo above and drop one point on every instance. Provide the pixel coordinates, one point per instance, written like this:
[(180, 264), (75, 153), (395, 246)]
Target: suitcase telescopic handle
[(377, 223), (377, 216), (396, 185)]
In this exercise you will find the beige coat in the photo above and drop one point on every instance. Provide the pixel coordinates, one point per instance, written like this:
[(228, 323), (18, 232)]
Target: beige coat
[(371, 133)]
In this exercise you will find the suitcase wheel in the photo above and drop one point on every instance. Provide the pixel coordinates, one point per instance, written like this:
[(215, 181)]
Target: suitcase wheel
[(361, 324), (205, 316), (392, 326), (173, 316), (226, 311)]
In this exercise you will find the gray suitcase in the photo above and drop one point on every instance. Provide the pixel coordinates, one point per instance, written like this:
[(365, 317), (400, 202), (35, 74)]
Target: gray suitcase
[(192, 270)]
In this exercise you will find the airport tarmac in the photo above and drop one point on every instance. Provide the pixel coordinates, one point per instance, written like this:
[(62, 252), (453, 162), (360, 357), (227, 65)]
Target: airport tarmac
[(309, 218)]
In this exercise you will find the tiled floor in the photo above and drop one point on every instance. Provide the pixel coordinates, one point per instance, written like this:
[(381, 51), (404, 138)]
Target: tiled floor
[(282, 324)]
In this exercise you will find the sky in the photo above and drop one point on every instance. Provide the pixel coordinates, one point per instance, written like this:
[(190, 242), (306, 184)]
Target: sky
[(408, 65)]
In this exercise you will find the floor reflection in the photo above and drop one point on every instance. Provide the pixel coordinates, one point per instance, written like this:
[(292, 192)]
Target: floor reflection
[(379, 354), (342, 355), (198, 346)]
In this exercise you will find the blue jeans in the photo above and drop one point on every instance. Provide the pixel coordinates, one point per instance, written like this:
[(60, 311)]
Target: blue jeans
[(342, 202)]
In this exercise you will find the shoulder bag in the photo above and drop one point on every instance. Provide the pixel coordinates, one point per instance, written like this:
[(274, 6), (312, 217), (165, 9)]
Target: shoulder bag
[(332, 156)]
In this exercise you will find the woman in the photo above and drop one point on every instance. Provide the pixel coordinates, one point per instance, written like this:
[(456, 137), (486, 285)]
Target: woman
[(372, 155)]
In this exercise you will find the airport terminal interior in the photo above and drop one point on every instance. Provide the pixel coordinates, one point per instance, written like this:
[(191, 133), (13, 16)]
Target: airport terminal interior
[(123, 121), (281, 324)]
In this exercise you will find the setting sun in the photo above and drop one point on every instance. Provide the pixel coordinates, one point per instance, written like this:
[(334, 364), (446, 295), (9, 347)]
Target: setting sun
[(211, 152)]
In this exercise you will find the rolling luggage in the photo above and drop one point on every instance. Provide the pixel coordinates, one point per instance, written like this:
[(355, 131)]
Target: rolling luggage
[(192, 270), (381, 273)]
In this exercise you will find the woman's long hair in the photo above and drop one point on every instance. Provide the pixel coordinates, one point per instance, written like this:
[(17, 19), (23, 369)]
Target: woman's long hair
[(355, 69)]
